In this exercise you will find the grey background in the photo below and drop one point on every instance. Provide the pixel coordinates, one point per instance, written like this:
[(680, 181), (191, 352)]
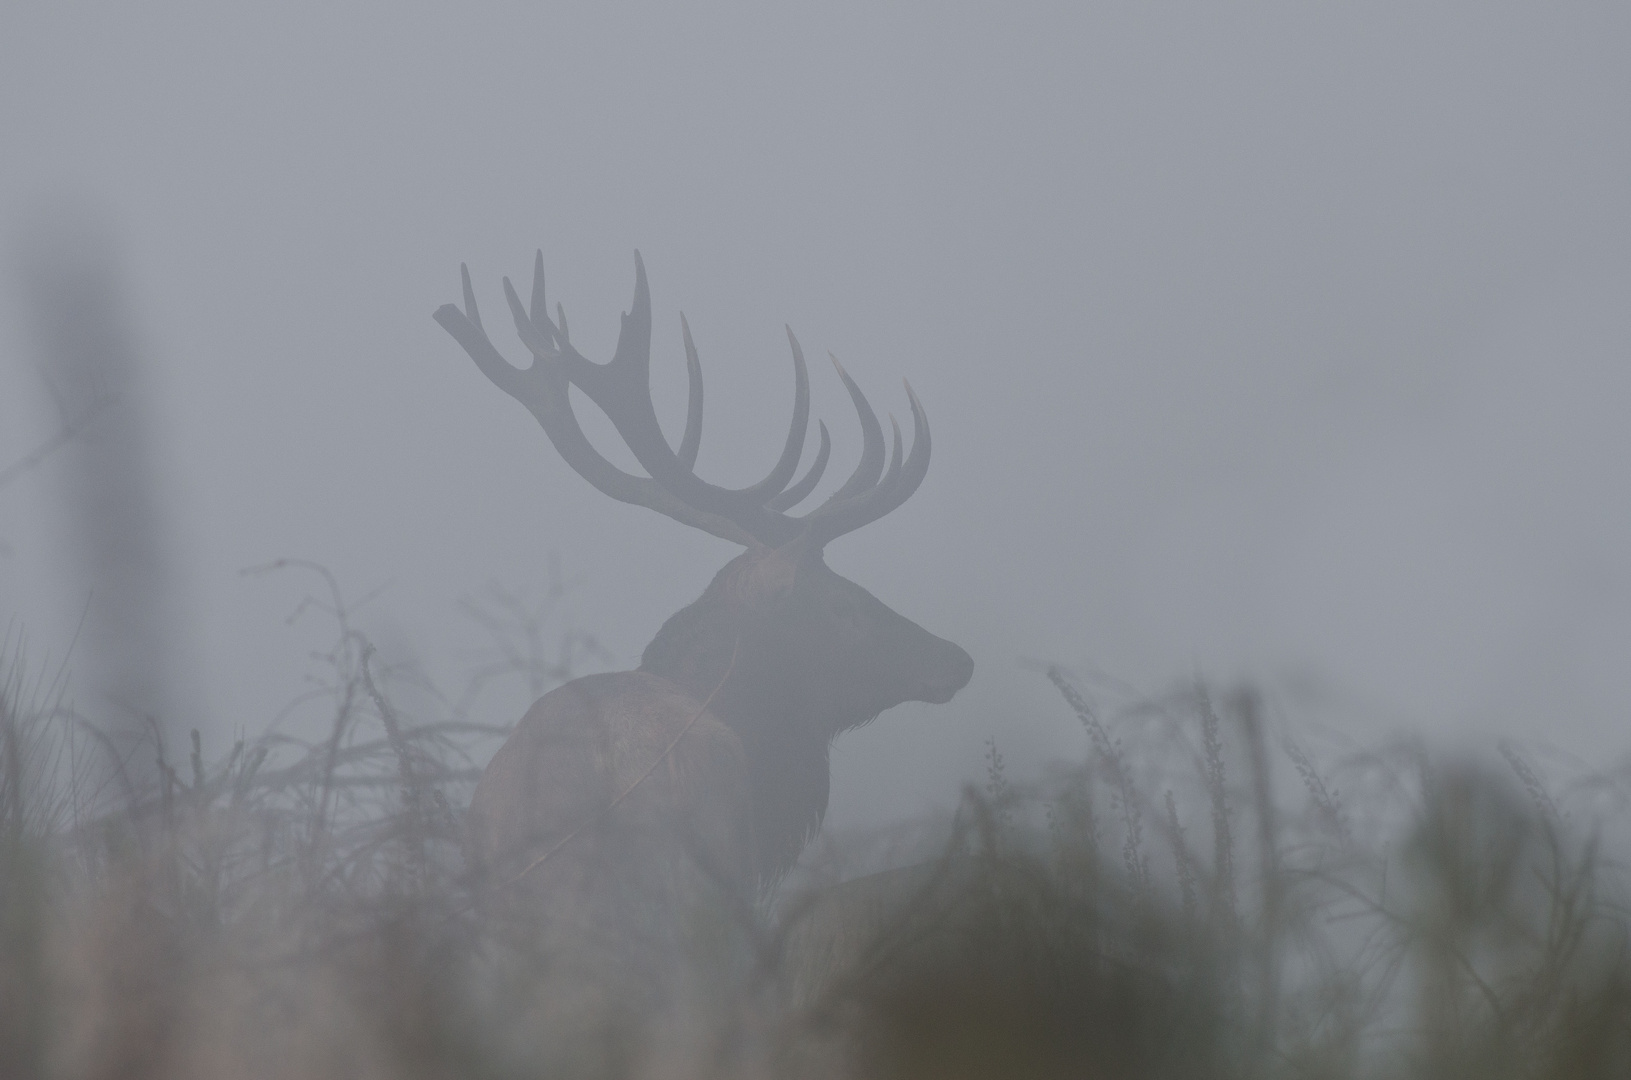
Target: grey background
[(1275, 341)]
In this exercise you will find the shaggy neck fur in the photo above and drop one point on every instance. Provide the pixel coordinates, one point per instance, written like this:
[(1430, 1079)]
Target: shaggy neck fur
[(789, 654), (784, 733)]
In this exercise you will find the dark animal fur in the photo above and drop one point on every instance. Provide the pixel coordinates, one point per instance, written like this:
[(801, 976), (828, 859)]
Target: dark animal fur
[(786, 654)]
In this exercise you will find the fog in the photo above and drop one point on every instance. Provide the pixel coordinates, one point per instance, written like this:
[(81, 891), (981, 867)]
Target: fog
[(1271, 342)]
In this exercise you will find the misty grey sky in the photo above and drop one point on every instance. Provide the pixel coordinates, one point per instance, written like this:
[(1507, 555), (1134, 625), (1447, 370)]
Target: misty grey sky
[(1287, 341)]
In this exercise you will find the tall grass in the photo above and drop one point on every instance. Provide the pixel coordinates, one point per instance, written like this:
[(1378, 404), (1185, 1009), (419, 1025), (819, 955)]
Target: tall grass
[(1200, 896)]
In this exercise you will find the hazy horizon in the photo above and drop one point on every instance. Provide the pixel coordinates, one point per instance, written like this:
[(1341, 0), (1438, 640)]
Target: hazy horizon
[(1259, 342)]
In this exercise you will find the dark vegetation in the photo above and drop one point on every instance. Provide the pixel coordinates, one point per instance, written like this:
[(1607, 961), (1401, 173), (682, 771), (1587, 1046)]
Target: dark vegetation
[(1199, 897)]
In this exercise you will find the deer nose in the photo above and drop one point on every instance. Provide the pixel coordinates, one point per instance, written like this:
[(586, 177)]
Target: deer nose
[(956, 668)]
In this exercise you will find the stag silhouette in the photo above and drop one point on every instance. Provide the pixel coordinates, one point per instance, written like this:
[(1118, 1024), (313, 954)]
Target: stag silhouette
[(716, 749)]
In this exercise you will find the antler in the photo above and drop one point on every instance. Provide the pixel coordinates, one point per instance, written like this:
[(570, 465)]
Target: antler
[(622, 389)]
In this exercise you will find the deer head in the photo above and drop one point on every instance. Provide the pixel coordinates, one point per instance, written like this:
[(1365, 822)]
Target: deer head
[(788, 652)]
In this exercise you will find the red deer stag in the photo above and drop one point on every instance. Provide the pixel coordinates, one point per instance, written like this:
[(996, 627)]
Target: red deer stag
[(724, 729)]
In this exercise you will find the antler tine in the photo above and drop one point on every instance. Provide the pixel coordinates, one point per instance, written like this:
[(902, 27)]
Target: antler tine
[(893, 473), (470, 311), (543, 389), (622, 389), (539, 308), (796, 494), (691, 442), (465, 326), (793, 448), (870, 466), (535, 338), (832, 520)]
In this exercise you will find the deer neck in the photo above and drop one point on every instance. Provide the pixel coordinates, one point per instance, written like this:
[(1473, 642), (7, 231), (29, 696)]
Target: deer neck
[(785, 735)]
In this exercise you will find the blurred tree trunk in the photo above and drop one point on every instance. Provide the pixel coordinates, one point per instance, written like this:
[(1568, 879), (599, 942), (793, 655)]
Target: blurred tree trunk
[(114, 540)]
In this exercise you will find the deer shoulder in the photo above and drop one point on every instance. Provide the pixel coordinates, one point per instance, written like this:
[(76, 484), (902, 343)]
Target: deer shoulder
[(622, 754)]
